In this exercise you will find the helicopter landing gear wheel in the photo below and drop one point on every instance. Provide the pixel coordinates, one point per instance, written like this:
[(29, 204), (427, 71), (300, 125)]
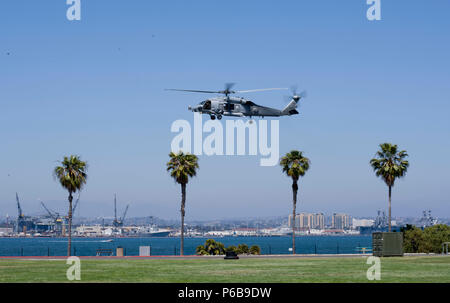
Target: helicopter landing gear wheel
[(219, 117), (213, 117)]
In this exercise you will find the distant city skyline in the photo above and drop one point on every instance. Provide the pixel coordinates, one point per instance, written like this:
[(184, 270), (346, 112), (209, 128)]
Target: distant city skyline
[(96, 88), (39, 211)]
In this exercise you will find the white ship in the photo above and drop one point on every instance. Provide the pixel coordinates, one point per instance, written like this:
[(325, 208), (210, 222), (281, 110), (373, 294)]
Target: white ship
[(152, 231)]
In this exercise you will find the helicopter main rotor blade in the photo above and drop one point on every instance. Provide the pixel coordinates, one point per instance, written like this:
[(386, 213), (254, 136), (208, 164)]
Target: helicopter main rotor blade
[(227, 90), (193, 91), (260, 90)]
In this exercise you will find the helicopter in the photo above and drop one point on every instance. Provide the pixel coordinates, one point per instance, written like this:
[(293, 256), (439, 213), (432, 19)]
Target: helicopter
[(231, 106)]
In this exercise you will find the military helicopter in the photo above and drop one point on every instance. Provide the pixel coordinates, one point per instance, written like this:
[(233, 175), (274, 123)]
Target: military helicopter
[(227, 105)]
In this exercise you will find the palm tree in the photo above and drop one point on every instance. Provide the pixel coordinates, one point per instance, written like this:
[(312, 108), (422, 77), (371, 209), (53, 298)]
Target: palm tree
[(182, 167), (72, 176), (390, 164), (295, 166)]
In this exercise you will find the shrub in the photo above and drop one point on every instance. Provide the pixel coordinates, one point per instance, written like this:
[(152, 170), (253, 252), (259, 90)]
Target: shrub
[(231, 248), (242, 249), (435, 236), (413, 240), (200, 250), (428, 240), (211, 247), (255, 250)]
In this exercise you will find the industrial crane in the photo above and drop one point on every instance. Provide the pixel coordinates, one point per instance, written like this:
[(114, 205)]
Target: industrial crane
[(20, 217), (66, 218), (76, 204), (119, 221), (18, 207), (53, 216), (60, 221), (124, 214), (23, 223), (56, 218)]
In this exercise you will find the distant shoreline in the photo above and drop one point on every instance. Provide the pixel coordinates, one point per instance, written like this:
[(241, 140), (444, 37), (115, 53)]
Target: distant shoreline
[(190, 237)]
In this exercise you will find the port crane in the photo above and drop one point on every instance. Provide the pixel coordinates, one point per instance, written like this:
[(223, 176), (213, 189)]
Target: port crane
[(23, 222), (51, 214), (58, 221), (117, 222), (55, 214), (76, 204), (73, 209), (124, 214), (20, 217)]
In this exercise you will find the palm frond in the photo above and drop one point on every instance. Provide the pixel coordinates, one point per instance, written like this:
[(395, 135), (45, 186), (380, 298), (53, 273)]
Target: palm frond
[(182, 166), (71, 173), (294, 164), (390, 164)]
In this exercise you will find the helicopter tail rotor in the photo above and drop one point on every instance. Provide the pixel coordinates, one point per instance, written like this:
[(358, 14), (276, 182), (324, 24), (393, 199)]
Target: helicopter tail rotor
[(290, 108), (297, 96)]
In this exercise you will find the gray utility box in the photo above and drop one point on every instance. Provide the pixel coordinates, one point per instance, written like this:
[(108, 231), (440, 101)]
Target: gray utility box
[(144, 251), (387, 244)]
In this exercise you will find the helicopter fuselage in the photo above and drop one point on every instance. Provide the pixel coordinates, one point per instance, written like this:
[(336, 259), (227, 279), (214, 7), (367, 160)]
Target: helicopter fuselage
[(236, 107)]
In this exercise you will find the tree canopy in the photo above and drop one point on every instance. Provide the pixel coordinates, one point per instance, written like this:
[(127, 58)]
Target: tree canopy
[(182, 166), (294, 164), (71, 173), (389, 163)]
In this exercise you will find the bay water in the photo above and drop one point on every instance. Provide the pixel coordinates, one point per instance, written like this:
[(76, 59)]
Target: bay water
[(171, 246)]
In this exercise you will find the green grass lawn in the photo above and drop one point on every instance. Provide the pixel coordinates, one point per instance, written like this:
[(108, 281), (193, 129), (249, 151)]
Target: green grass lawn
[(406, 269)]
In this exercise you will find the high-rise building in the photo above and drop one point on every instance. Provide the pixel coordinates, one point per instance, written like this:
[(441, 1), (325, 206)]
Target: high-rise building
[(291, 221), (308, 221), (319, 221), (340, 221)]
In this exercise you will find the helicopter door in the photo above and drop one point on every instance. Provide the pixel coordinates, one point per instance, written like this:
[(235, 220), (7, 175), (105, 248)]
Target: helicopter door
[(229, 107), (207, 105)]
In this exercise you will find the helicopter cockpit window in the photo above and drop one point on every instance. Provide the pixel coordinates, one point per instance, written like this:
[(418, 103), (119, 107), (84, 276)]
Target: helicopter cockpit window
[(207, 104)]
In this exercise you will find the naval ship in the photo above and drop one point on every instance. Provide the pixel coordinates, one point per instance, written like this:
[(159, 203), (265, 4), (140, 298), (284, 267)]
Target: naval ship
[(152, 231)]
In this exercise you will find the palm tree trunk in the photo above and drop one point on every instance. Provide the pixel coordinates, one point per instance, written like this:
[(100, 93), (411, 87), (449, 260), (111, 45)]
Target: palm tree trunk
[(183, 203), (69, 247), (294, 206), (389, 219)]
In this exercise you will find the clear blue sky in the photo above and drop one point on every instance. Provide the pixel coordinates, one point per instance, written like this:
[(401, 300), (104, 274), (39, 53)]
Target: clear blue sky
[(96, 88)]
